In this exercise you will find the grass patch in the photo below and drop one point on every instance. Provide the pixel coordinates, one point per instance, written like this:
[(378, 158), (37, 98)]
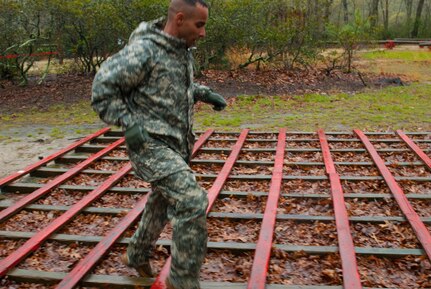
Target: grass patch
[(387, 109), (401, 55), (58, 115)]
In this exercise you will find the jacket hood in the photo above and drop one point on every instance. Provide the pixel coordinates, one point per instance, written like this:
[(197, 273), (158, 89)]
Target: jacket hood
[(153, 31)]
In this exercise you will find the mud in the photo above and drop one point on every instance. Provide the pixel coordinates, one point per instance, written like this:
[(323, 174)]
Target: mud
[(26, 145)]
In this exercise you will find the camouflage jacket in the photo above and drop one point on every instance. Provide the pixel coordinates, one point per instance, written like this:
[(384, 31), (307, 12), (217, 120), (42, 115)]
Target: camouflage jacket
[(150, 82)]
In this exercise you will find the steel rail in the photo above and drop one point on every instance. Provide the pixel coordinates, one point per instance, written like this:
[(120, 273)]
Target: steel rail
[(262, 254), (50, 158), (56, 182), (213, 192), (85, 265), (35, 242), (351, 277), (413, 218)]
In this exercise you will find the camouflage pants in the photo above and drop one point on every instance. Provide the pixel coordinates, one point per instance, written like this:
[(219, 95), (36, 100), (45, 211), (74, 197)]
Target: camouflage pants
[(180, 199)]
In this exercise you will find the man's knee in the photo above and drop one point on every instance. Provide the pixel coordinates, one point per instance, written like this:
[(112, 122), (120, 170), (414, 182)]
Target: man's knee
[(189, 198)]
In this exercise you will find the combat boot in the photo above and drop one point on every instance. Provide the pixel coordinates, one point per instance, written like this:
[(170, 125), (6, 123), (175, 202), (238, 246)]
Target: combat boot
[(144, 270)]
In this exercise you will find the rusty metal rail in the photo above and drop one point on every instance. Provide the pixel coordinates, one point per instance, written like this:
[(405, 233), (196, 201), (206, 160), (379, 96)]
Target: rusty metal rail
[(284, 199)]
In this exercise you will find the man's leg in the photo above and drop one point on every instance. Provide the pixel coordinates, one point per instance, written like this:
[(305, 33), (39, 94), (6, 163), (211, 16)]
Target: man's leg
[(188, 217), (154, 219)]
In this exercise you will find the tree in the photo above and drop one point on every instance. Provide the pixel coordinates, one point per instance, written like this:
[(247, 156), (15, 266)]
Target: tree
[(416, 25), (374, 12), (346, 11), (349, 36), (385, 10), (409, 9)]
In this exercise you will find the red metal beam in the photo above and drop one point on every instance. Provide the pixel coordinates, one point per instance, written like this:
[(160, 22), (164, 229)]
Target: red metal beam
[(56, 182), (415, 148), (418, 226), (86, 264), (262, 254), (213, 192), (351, 277), (50, 158), (34, 243), (201, 141), (219, 182)]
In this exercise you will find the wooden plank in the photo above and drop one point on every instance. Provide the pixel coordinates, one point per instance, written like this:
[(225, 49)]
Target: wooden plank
[(351, 277), (50, 158), (95, 148), (413, 218), (6, 213), (73, 159), (90, 210), (30, 187), (390, 252), (259, 270), (136, 282)]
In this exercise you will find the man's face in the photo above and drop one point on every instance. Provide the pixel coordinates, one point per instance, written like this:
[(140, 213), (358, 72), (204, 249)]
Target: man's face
[(193, 25)]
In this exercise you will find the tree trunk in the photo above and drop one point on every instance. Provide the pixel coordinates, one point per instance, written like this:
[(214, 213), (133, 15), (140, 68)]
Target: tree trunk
[(427, 17), (346, 12), (409, 8), (374, 12), (386, 17), (328, 6), (415, 31)]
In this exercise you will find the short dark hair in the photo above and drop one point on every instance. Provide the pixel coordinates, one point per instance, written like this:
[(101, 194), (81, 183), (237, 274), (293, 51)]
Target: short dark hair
[(194, 2)]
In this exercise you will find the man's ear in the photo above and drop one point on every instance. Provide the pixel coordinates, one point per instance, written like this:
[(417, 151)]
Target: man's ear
[(179, 18)]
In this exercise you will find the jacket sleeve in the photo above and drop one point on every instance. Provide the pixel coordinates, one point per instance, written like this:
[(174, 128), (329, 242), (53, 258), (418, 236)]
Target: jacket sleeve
[(201, 92), (117, 77)]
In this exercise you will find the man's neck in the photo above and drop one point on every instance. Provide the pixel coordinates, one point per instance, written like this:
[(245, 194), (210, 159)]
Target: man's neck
[(169, 29)]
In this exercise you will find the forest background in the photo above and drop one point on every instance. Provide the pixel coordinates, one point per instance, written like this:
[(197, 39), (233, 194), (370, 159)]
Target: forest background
[(287, 33)]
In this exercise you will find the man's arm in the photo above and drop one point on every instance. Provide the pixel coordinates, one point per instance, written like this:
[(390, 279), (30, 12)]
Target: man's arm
[(205, 94), (116, 78)]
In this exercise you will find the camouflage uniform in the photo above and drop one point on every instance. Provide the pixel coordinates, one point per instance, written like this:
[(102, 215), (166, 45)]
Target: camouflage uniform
[(150, 83)]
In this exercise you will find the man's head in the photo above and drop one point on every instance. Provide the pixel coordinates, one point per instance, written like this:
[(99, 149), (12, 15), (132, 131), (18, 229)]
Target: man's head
[(187, 20)]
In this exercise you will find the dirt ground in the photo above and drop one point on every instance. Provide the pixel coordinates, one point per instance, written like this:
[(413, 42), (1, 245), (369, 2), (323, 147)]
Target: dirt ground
[(70, 88)]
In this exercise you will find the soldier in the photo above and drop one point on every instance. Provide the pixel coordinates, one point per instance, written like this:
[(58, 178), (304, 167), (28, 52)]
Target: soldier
[(148, 89)]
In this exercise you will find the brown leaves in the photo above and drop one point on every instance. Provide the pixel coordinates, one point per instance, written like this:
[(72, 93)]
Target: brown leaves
[(405, 272), (55, 257), (232, 204), (299, 268), (386, 235), (29, 221)]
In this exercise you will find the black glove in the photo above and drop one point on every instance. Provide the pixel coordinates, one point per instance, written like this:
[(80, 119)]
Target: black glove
[(217, 101), (136, 136)]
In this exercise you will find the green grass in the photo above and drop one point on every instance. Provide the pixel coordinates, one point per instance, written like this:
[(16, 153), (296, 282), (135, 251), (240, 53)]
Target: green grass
[(424, 55), (388, 109), (58, 115)]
